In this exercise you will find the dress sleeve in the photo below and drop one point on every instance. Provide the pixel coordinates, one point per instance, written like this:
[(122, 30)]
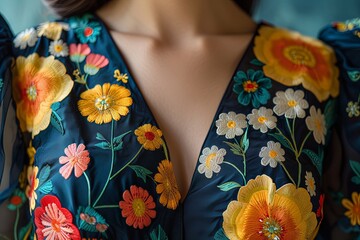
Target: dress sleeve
[(12, 149), (342, 171)]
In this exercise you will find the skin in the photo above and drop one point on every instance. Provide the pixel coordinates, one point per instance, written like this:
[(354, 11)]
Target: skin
[(182, 55)]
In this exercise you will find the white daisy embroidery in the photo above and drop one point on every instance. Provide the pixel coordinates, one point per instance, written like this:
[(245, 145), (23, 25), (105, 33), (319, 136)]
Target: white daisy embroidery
[(230, 124), (262, 119), (316, 123), (58, 48), (26, 38), (272, 154), (291, 103), (310, 183), (210, 160)]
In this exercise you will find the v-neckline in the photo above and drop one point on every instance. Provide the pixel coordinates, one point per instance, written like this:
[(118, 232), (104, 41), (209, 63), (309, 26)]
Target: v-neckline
[(119, 57)]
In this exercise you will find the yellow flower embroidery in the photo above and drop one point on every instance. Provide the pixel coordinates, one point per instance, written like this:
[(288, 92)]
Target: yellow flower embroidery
[(121, 76), (262, 212), (38, 83), (167, 186), (292, 59), (149, 136), (52, 30), (353, 208), (105, 103), (33, 182)]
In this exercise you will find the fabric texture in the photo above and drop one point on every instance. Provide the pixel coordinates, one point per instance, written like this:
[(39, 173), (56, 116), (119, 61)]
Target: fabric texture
[(99, 166)]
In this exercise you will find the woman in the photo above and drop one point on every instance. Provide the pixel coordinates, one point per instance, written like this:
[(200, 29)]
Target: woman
[(246, 110)]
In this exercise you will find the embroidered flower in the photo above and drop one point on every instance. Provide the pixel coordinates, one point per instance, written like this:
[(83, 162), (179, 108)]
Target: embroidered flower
[(316, 123), (292, 59), (90, 220), (262, 119), (58, 48), (53, 221), (38, 82), (353, 109), (291, 103), (76, 158), (86, 31), (52, 30), (121, 76), (348, 25), (94, 62), (320, 212), (252, 87), (166, 185), (78, 52), (26, 38), (149, 136), (105, 103), (138, 207), (17, 200), (210, 160), (230, 124), (272, 154), (353, 207), (33, 185), (31, 151), (262, 212), (310, 183)]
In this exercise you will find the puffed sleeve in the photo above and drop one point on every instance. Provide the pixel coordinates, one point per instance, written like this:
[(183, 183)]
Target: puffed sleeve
[(12, 148), (342, 172)]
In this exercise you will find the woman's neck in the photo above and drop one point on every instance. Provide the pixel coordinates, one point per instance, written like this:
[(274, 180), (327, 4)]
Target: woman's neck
[(171, 20)]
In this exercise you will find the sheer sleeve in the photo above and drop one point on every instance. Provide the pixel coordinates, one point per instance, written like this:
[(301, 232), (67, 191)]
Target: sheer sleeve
[(342, 171)]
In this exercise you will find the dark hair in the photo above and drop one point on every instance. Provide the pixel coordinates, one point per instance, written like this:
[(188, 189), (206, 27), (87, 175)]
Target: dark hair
[(66, 8)]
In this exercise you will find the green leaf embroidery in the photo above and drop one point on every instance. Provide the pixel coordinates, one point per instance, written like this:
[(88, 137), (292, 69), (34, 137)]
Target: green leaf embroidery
[(55, 106), (257, 62), (140, 171), (228, 186), (24, 232), (220, 235), (330, 112), (118, 141), (46, 187), (354, 75), (103, 145), (315, 158), (244, 142), (100, 137), (281, 139), (355, 166), (56, 122), (235, 148), (44, 174), (158, 234)]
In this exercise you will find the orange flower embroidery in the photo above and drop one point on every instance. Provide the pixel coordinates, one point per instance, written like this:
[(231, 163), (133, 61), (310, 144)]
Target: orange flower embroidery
[(137, 207), (38, 83), (167, 186), (149, 136), (353, 208), (262, 212), (292, 59), (33, 185)]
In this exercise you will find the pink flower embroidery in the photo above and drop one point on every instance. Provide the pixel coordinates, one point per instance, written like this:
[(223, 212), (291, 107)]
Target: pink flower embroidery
[(78, 52), (53, 221), (94, 62), (76, 157)]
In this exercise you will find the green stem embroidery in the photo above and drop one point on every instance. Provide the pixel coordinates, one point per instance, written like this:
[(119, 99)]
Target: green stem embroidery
[(296, 152), (166, 151), (88, 185), (286, 139), (287, 173), (111, 166), (106, 206), (127, 164), (303, 143), (16, 223), (242, 175)]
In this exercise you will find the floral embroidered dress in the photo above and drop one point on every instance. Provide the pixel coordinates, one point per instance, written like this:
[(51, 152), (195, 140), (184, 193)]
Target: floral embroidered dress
[(343, 204), (99, 167)]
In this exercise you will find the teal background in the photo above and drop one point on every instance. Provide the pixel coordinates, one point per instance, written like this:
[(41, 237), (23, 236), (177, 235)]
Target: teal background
[(306, 16)]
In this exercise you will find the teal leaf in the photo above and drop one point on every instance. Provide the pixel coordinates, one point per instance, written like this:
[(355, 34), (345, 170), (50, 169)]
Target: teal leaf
[(44, 174), (56, 122), (118, 146), (354, 75), (55, 106), (235, 148), (1, 84), (228, 186), (330, 113), (83, 222), (256, 62), (118, 141), (25, 231), (220, 235), (100, 137), (355, 179), (46, 187), (245, 141), (281, 139), (140, 171), (355, 166), (315, 158), (103, 145), (158, 234)]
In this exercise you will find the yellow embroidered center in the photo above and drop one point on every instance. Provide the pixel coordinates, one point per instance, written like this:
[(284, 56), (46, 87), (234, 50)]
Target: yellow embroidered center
[(231, 124), (273, 154), (58, 48), (311, 183), (55, 225), (300, 55), (262, 119), (271, 229), (292, 103), (25, 37), (250, 86), (318, 125), (31, 93), (208, 159), (103, 103), (138, 206)]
